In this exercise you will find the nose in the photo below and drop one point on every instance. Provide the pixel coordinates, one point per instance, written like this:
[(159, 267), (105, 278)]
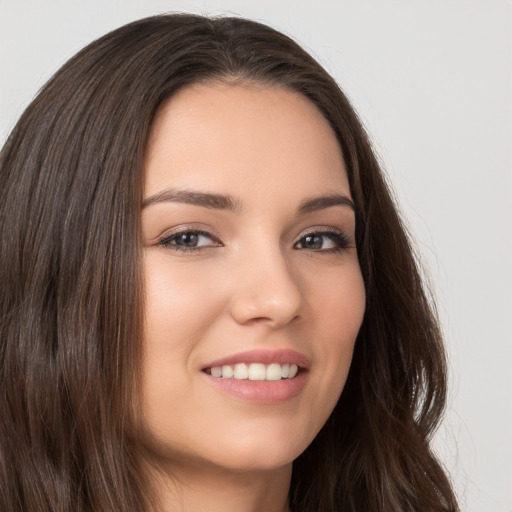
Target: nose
[(267, 291)]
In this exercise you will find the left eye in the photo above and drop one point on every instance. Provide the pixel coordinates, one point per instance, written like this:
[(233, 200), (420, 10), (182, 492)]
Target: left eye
[(189, 240), (323, 241)]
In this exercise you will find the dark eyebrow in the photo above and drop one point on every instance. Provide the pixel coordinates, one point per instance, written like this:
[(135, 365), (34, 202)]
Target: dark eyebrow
[(226, 202), (204, 199), (322, 202)]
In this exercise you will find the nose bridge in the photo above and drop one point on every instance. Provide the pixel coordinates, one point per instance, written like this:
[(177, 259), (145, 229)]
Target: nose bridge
[(267, 287)]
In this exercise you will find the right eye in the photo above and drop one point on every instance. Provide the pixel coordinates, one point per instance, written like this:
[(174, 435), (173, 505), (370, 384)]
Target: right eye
[(189, 240)]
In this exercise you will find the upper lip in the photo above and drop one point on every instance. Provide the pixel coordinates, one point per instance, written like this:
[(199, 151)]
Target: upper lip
[(280, 356)]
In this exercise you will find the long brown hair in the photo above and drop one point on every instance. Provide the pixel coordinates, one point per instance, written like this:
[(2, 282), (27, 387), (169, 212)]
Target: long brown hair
[(71, 291)]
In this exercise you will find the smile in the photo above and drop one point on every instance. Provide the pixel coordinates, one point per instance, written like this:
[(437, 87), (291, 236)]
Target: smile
[(254, 371), (259, 376)]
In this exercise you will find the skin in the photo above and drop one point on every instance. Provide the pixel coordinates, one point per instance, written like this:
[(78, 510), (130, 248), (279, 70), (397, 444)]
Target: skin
[(253, 284)]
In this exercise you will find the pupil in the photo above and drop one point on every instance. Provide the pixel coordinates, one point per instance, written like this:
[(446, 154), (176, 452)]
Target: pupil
[(313, 241), (187, 239)]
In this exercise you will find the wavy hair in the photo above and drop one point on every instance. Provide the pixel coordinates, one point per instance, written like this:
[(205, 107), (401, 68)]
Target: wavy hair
[(71, 176)]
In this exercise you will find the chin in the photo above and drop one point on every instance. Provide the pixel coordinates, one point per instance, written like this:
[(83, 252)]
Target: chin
[(257, 457)]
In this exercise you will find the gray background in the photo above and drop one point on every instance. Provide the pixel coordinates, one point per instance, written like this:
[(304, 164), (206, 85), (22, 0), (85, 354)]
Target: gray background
[(432, 81)]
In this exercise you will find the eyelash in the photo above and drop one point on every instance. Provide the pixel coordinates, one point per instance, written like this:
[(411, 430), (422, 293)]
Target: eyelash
[(167, 241), (340, 240)]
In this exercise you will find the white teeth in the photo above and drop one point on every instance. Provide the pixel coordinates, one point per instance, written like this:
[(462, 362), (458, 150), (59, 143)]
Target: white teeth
[(241, 371), (255, 371), (216, 371), (273, 372), (227, 372)]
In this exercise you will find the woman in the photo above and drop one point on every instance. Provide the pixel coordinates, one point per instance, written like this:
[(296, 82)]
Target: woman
[(209, 300)]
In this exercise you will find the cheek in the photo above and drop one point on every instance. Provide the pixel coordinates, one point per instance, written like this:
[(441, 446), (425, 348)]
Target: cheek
[(180, 306), (338, 301), (181, 302), (339, 312)]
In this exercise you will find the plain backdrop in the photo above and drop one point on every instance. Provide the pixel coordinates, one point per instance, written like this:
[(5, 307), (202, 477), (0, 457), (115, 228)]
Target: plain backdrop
[(432, 81)]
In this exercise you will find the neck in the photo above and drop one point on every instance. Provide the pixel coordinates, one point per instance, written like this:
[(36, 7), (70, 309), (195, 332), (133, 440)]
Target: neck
[(217, 490)]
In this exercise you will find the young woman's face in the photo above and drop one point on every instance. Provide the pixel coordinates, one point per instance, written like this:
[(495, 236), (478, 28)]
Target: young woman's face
[(250, 269)]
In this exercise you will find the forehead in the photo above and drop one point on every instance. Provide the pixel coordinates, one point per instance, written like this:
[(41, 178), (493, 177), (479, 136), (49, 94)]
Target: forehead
[(243, 137)]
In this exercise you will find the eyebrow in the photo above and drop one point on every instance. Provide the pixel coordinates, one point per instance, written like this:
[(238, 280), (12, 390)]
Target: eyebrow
[(204, 199), (227, 202), (323, 202)]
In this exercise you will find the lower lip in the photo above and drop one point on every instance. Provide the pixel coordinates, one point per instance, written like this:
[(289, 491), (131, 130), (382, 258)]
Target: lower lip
[(260, 391)]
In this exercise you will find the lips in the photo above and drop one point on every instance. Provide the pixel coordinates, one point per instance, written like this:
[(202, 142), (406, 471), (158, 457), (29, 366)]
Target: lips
[(259, 376)]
